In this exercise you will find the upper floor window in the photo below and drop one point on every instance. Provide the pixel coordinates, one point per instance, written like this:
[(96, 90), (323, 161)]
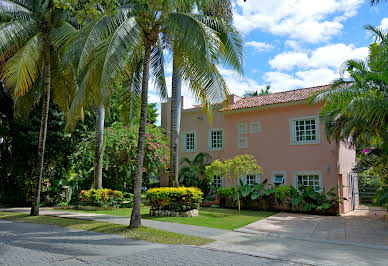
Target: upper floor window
[(242, 128), (189, 141), (217, 182), (305, 130), (255, 127), (309, 179), (216, 139), (243, 142)]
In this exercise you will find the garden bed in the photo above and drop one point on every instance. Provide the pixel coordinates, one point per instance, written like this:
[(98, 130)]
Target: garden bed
[(166, 213)]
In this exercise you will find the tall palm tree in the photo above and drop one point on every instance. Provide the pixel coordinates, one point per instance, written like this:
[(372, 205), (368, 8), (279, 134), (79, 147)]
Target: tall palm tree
[(356, 109), (31, 34), (117, 45), (217, 15)]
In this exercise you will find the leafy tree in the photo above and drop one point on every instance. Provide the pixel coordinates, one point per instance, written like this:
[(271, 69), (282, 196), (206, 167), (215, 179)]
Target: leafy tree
[(31, 34), (217, 15), (234, 168), (192, 172)]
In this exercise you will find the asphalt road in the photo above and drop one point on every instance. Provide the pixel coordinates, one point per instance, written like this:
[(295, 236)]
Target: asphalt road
[(34, 244)]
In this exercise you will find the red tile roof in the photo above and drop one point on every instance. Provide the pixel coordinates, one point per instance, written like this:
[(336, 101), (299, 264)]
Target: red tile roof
[(275, 98)]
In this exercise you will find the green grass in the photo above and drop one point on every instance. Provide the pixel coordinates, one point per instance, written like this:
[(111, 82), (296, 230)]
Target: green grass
[(142, 233), (227, 219)]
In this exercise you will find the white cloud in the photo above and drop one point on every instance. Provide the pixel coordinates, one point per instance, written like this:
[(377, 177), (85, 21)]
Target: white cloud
[(333, 55), (259, 46), (286, 61), (293, 44), (384, 24), (306, 20)]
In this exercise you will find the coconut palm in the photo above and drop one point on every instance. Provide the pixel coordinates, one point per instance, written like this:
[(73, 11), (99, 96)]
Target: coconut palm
[(217, 15), (356, 109), (31, 34), (116, 45)]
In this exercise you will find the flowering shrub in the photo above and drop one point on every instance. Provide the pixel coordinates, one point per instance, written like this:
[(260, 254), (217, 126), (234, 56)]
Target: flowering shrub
[(175, 198), (119, 160), (101, 197)]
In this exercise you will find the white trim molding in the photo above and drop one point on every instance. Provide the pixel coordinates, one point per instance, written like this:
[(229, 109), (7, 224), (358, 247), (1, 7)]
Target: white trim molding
[(278, 173), (308, 132), (210, 139), (184, 140), (308, 173)]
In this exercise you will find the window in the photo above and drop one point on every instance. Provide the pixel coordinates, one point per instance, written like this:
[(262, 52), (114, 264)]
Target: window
[(243, 142), (309, 180), (217, 182), (305, 130), (189, 141), (278, 178), (249, 179), (255, 127), (242, 128), (216, 139)]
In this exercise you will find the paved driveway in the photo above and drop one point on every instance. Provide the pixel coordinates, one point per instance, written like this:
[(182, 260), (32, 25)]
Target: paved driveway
[(363, 227), (34, 244)]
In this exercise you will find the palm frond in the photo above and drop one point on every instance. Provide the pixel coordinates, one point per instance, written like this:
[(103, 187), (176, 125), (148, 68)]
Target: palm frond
[(157, 69), (22, 70), (14, 10)]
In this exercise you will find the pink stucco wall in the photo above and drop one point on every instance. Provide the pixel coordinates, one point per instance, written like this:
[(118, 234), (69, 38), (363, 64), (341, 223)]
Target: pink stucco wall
[(272, 146)]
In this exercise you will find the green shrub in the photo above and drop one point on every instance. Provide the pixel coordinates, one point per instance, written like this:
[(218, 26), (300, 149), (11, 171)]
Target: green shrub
[(284, 193), (102, 197), (174, 198)]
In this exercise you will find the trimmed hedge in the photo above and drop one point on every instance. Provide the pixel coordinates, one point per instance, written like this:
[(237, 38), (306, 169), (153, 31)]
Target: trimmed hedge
[(177, 199), (103, 197)]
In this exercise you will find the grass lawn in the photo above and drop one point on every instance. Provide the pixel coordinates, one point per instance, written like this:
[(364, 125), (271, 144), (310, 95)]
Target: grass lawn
[(142, 233), (209, 217)]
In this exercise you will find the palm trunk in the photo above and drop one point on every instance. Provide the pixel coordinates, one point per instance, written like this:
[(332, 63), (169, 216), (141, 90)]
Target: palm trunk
[(135, 216), (42, 135), (175, 121), (100, 117)]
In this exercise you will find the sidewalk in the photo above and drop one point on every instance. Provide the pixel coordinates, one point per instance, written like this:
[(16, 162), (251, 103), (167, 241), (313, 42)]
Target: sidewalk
[(264, 245), (192, 230)]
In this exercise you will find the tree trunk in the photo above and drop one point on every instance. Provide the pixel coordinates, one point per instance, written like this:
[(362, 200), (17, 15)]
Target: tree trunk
[(175, 121), (135, 216), (100, 117), (42, 135)]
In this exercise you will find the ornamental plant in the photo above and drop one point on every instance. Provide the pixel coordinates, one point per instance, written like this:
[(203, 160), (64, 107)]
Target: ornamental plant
[(101, 197), (234, 168), (119, 161), (177, 199)]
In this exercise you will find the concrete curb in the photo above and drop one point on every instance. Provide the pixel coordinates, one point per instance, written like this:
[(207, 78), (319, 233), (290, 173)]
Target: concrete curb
[(247, 231)]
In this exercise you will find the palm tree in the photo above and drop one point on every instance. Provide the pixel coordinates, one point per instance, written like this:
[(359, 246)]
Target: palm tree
[(116, 45), (31, 34), (265, 91), (217, 15), (356, 109)]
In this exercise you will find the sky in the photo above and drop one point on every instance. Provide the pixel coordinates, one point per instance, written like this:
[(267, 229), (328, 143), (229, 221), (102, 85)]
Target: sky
[(291, 44)]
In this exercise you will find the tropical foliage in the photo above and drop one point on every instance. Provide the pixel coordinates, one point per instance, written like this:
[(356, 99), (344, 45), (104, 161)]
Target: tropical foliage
[(356, 108), (192, 172)]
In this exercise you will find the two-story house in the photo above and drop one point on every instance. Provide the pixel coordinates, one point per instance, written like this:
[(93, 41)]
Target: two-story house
[(281, 130)]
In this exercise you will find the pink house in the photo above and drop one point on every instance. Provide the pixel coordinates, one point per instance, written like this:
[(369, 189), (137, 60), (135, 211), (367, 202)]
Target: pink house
[(281, 130)]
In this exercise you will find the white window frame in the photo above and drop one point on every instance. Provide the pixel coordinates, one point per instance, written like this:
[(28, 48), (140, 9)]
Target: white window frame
[(293, 120), (210, 139), (318, 173), (222, 182), (239, 138), (244, 179), (184, 140), (276, 173), (254, 124), (242, 128)]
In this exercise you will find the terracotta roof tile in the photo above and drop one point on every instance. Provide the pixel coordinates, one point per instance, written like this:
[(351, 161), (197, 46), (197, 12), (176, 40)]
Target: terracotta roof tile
[(275, 98)]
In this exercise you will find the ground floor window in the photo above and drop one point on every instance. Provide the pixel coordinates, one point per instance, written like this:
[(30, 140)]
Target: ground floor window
[(217, 182), (249, 179), (309, 180)]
